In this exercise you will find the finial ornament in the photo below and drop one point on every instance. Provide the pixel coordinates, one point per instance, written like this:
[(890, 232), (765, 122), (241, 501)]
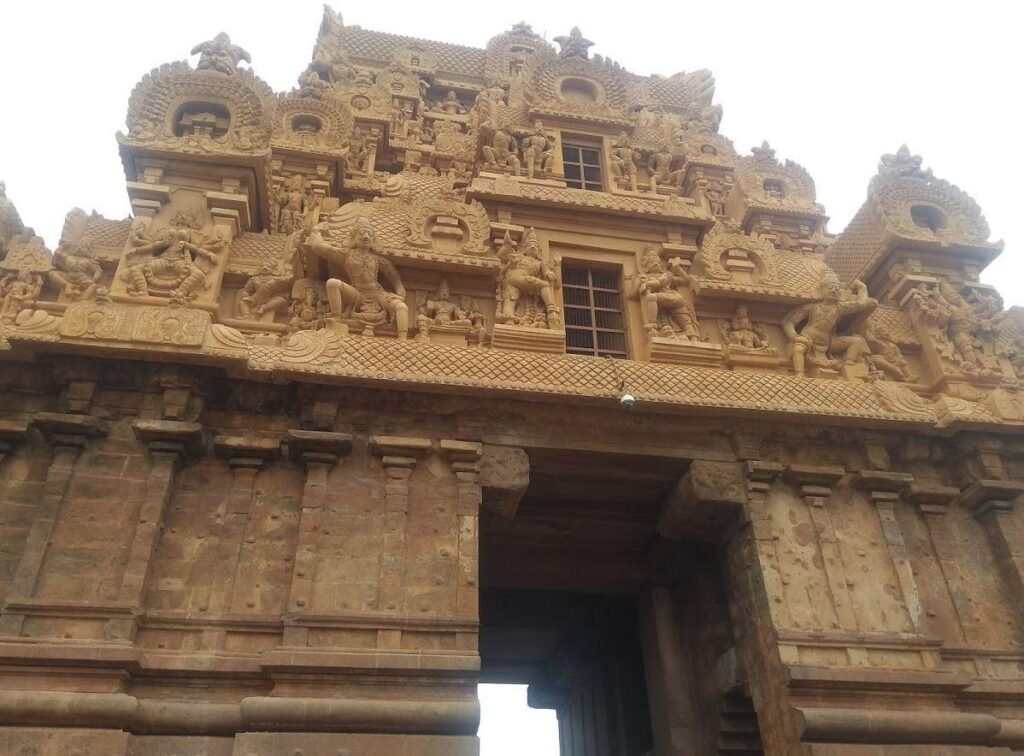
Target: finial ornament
[(219, 54), (575, 45)]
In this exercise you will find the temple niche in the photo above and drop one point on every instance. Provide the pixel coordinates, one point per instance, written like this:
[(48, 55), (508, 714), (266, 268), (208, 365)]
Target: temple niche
[(459, 364)]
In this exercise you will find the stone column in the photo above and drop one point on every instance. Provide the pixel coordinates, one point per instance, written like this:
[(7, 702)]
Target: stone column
[(170, 444), (883, 488), (932, 501), (667, 673), (709, 498), (319, 452), (246, 457), (67, 435), (399, 455), (465, 461), (992, 504)]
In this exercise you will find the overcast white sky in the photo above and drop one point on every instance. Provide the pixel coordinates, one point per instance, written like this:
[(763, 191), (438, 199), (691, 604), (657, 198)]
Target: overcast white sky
[(830, 85)]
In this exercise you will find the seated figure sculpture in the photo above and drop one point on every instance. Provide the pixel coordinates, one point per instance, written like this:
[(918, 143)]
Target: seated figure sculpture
[(812, 328), (174, 268), (266, 291), (502, 152), (525, 277), (742, 333), (363, 297), (659, 168), (665, 298), (439, 310), (76, 273)]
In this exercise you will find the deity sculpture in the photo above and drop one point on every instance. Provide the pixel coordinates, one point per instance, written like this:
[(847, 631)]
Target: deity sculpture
[(293, 204), (218, 54), (450, 104), (956, 321), (358, 156), (742, 333), (812, 327), (312, 84), (76, 273), (665, 298), (363, 297), (886, 356), (659, 168), (623, 161), (17, 290), (501, 153), (485, 106), (179, 263), (524, 278), (715, 193), (575, 45), (537, 152), (266, 291), (307, 307), (439, 310)]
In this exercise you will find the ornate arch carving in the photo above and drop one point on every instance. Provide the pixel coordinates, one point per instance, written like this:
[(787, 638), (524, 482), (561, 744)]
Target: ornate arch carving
[(724, 239), (334, 118), (162, 96)]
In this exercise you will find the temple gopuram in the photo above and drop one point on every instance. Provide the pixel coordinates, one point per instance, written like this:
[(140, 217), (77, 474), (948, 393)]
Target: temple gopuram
[(457, 365)]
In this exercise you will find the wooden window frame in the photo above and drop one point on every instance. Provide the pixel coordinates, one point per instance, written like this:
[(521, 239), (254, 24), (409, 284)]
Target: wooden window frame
[(579, 146)]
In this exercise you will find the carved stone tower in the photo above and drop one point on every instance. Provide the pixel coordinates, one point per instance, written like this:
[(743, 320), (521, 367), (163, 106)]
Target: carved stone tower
[(456, 365)]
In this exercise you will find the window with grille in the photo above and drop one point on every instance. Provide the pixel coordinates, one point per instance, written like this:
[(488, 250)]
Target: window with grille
[(594, 323), (582, 165)]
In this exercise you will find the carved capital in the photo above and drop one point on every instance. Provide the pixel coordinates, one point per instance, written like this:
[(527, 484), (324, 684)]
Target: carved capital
[(322, 447), (707, 497), (391, 449), (882, 487), (815, 481), (246, 452), (984, 496), (505, 476), (171, 436), (930, 498), (69, 430)]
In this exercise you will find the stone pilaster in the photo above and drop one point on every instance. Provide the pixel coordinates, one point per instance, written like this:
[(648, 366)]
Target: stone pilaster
[(318, 452), (883, 489), (170, 444), (464, 457), (399, 456), (246, 457), (67, 435), (992, 503), (815, 484)]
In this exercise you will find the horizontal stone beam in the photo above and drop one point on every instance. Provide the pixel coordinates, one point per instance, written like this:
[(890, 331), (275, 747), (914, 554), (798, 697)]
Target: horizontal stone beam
[(889, 727)]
